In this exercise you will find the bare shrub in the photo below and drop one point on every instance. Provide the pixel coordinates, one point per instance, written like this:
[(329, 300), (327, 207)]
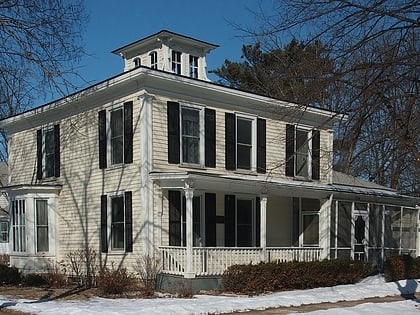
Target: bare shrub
[(5, 259), (115, 280), (148, 268), (83, 266)]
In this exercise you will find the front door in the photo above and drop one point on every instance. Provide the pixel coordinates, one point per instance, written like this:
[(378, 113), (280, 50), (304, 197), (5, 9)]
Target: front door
[(360, 236)]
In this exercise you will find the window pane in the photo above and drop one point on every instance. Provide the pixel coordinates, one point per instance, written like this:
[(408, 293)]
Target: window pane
[(42, 243), (244, 223), (244, 131), (244, 156), (117, 136), (117, 222), (302, 151), (176, 62), (193, 67), (4, 229), (153, 60), (244, 143), (18, 226), (310, 230)]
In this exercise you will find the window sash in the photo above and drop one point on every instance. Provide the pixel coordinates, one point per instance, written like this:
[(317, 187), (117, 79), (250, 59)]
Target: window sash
[(153, 60), (194, 67), (19, 225), (49, 152), (176, 62), (244, 223), (302, 153), (41, 217), (117, 136), (310, 227), (190, 135), (4, 229), (117, 223), (245, 144)]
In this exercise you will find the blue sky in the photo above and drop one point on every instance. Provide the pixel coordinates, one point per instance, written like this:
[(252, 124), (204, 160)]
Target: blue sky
[(114, 24)]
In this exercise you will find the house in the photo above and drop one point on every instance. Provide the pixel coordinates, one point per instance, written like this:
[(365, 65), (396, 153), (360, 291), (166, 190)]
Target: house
[(4, 211), (159, 161)]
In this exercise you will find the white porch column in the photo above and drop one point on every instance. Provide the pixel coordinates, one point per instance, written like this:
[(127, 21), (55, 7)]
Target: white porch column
[(263, 227), (325, 228), (146, 185), (189, 194)]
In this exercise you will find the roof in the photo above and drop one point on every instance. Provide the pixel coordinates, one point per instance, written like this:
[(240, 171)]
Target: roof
[(165, 34), (347, 180)]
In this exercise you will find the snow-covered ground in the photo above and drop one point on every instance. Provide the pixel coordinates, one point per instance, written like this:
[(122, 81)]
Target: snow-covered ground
[(205, 304)]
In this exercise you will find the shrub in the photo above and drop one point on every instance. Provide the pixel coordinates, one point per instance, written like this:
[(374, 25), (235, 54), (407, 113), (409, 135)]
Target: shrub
[(148, 269), (34, 280), (115, 281), (255, 279), (82, 266), (401, 267), (4, 259), (9, 275)]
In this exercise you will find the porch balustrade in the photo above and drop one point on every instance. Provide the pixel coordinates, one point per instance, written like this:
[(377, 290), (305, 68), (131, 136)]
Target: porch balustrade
[(213, 261)]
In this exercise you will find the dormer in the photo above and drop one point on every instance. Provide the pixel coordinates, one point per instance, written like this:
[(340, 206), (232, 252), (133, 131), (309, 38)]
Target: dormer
[(170, 52)]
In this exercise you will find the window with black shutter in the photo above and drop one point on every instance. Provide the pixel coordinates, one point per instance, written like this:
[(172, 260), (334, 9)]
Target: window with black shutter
[(191, 134), (115, 129), (302, 152)]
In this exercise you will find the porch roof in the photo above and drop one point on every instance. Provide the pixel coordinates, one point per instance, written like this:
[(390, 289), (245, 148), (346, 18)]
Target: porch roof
[(251, 184)]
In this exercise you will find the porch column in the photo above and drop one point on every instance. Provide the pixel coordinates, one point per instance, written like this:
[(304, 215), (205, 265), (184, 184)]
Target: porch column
[(263, 227), (325, 228), (189, 194)]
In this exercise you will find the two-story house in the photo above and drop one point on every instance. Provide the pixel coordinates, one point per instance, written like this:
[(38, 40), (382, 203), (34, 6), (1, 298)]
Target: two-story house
[(160, 161)]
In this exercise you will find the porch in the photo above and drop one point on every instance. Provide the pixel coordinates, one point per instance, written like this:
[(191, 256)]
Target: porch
[(213, 261)]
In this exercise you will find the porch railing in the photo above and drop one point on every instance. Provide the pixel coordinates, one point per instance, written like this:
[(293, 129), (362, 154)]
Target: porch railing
[(211, 261)]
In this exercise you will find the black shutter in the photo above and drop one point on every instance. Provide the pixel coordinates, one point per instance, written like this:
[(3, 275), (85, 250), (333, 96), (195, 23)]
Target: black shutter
[(290, 150), (210, 137), (128, 222), (128, 132), (295, 222), (261, 145), (174, 197), (102, 139), (210, 207), (57, 150), (39, 153), (104, 225), (230, 144), (230, 226), (258, 222), (315, 154), (173, 132)]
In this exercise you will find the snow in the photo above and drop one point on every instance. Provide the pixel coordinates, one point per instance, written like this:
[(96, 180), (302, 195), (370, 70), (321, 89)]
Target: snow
[(217, 304)]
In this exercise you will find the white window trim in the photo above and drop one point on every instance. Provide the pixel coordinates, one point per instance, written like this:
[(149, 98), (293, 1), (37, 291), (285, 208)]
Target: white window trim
[(109, 220), (108, 134), (136, 62), (309, 153), (153, 53), (196, 67), (180, 62), (199, 108), (253, 141), (36, 226)]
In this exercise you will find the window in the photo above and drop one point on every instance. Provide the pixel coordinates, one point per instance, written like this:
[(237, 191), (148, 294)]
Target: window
[(48, 152), (153, 60), (241, 221), (116, 135), (245, 147), (4, 231), (194, 67), (176, 62), (204, 219), (306, 221), (41, 222), (302, 152), (19, 225), (191, 134), (116, 222), (137, 62)]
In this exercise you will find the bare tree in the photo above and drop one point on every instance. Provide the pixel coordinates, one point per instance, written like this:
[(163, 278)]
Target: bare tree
[(40, 45), (375, 48)]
